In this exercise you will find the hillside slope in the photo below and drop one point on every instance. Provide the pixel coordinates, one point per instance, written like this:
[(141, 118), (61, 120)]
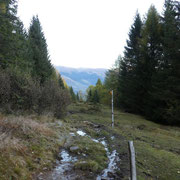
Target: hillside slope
[(81, 78)]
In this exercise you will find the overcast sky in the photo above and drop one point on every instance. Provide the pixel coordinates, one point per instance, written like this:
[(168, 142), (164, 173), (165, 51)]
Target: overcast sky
[(85, 33)]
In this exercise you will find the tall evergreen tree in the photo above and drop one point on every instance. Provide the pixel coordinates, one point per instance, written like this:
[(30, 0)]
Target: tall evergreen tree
[(151, 55), (95, 97), (129, 76), (90, 95), (73, 96), (13, 38), (42, 68), (98, 83), (7, 20)]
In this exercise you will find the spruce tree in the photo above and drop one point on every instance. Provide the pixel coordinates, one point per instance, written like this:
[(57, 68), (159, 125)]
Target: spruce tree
[(13, 39), (129, 74), (72, 94), (151, 56), (95, 97), (89, 96), (42, 68), (7, 32), (98, 83)]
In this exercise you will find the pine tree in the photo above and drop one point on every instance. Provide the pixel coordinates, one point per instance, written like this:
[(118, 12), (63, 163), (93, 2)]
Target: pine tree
[(89, 96), (129, 73), (42, 68), (95, 97), (151, 56), (13, 39), (72, 94), (7, 44), (99, 83)]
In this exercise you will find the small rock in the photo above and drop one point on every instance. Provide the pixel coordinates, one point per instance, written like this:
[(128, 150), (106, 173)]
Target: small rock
[(74, 148)]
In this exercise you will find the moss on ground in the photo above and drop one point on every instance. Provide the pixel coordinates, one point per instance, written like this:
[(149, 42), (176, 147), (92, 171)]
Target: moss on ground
[(93, 157)]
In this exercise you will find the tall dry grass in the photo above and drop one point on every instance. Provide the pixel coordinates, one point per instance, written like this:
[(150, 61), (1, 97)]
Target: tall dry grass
[(14, 129)]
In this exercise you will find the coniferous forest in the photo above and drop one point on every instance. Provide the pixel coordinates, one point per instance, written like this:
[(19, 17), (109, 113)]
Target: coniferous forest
[(146, 79), (28, 81)]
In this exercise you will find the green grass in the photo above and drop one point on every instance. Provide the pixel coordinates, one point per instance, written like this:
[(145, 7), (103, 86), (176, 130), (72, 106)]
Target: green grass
[(157, 147), (94, 158)]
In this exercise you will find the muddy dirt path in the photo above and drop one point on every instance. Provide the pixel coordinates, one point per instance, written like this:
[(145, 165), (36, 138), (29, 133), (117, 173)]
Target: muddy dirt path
[(76, 160), (64, 169)]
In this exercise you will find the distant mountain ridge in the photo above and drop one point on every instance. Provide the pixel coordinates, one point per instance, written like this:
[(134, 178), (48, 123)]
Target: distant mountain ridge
[(81, 78)]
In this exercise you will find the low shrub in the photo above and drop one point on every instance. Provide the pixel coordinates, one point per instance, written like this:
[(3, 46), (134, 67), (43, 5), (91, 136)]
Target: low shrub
[(19, 93)]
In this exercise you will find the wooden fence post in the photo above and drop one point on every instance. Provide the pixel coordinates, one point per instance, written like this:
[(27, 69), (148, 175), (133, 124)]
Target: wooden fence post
[(132, 161)]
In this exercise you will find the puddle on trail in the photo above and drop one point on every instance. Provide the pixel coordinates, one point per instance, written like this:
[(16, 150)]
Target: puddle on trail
[(81, 133), (65, 165), (112, 165), (63, 169), (112, 157)]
